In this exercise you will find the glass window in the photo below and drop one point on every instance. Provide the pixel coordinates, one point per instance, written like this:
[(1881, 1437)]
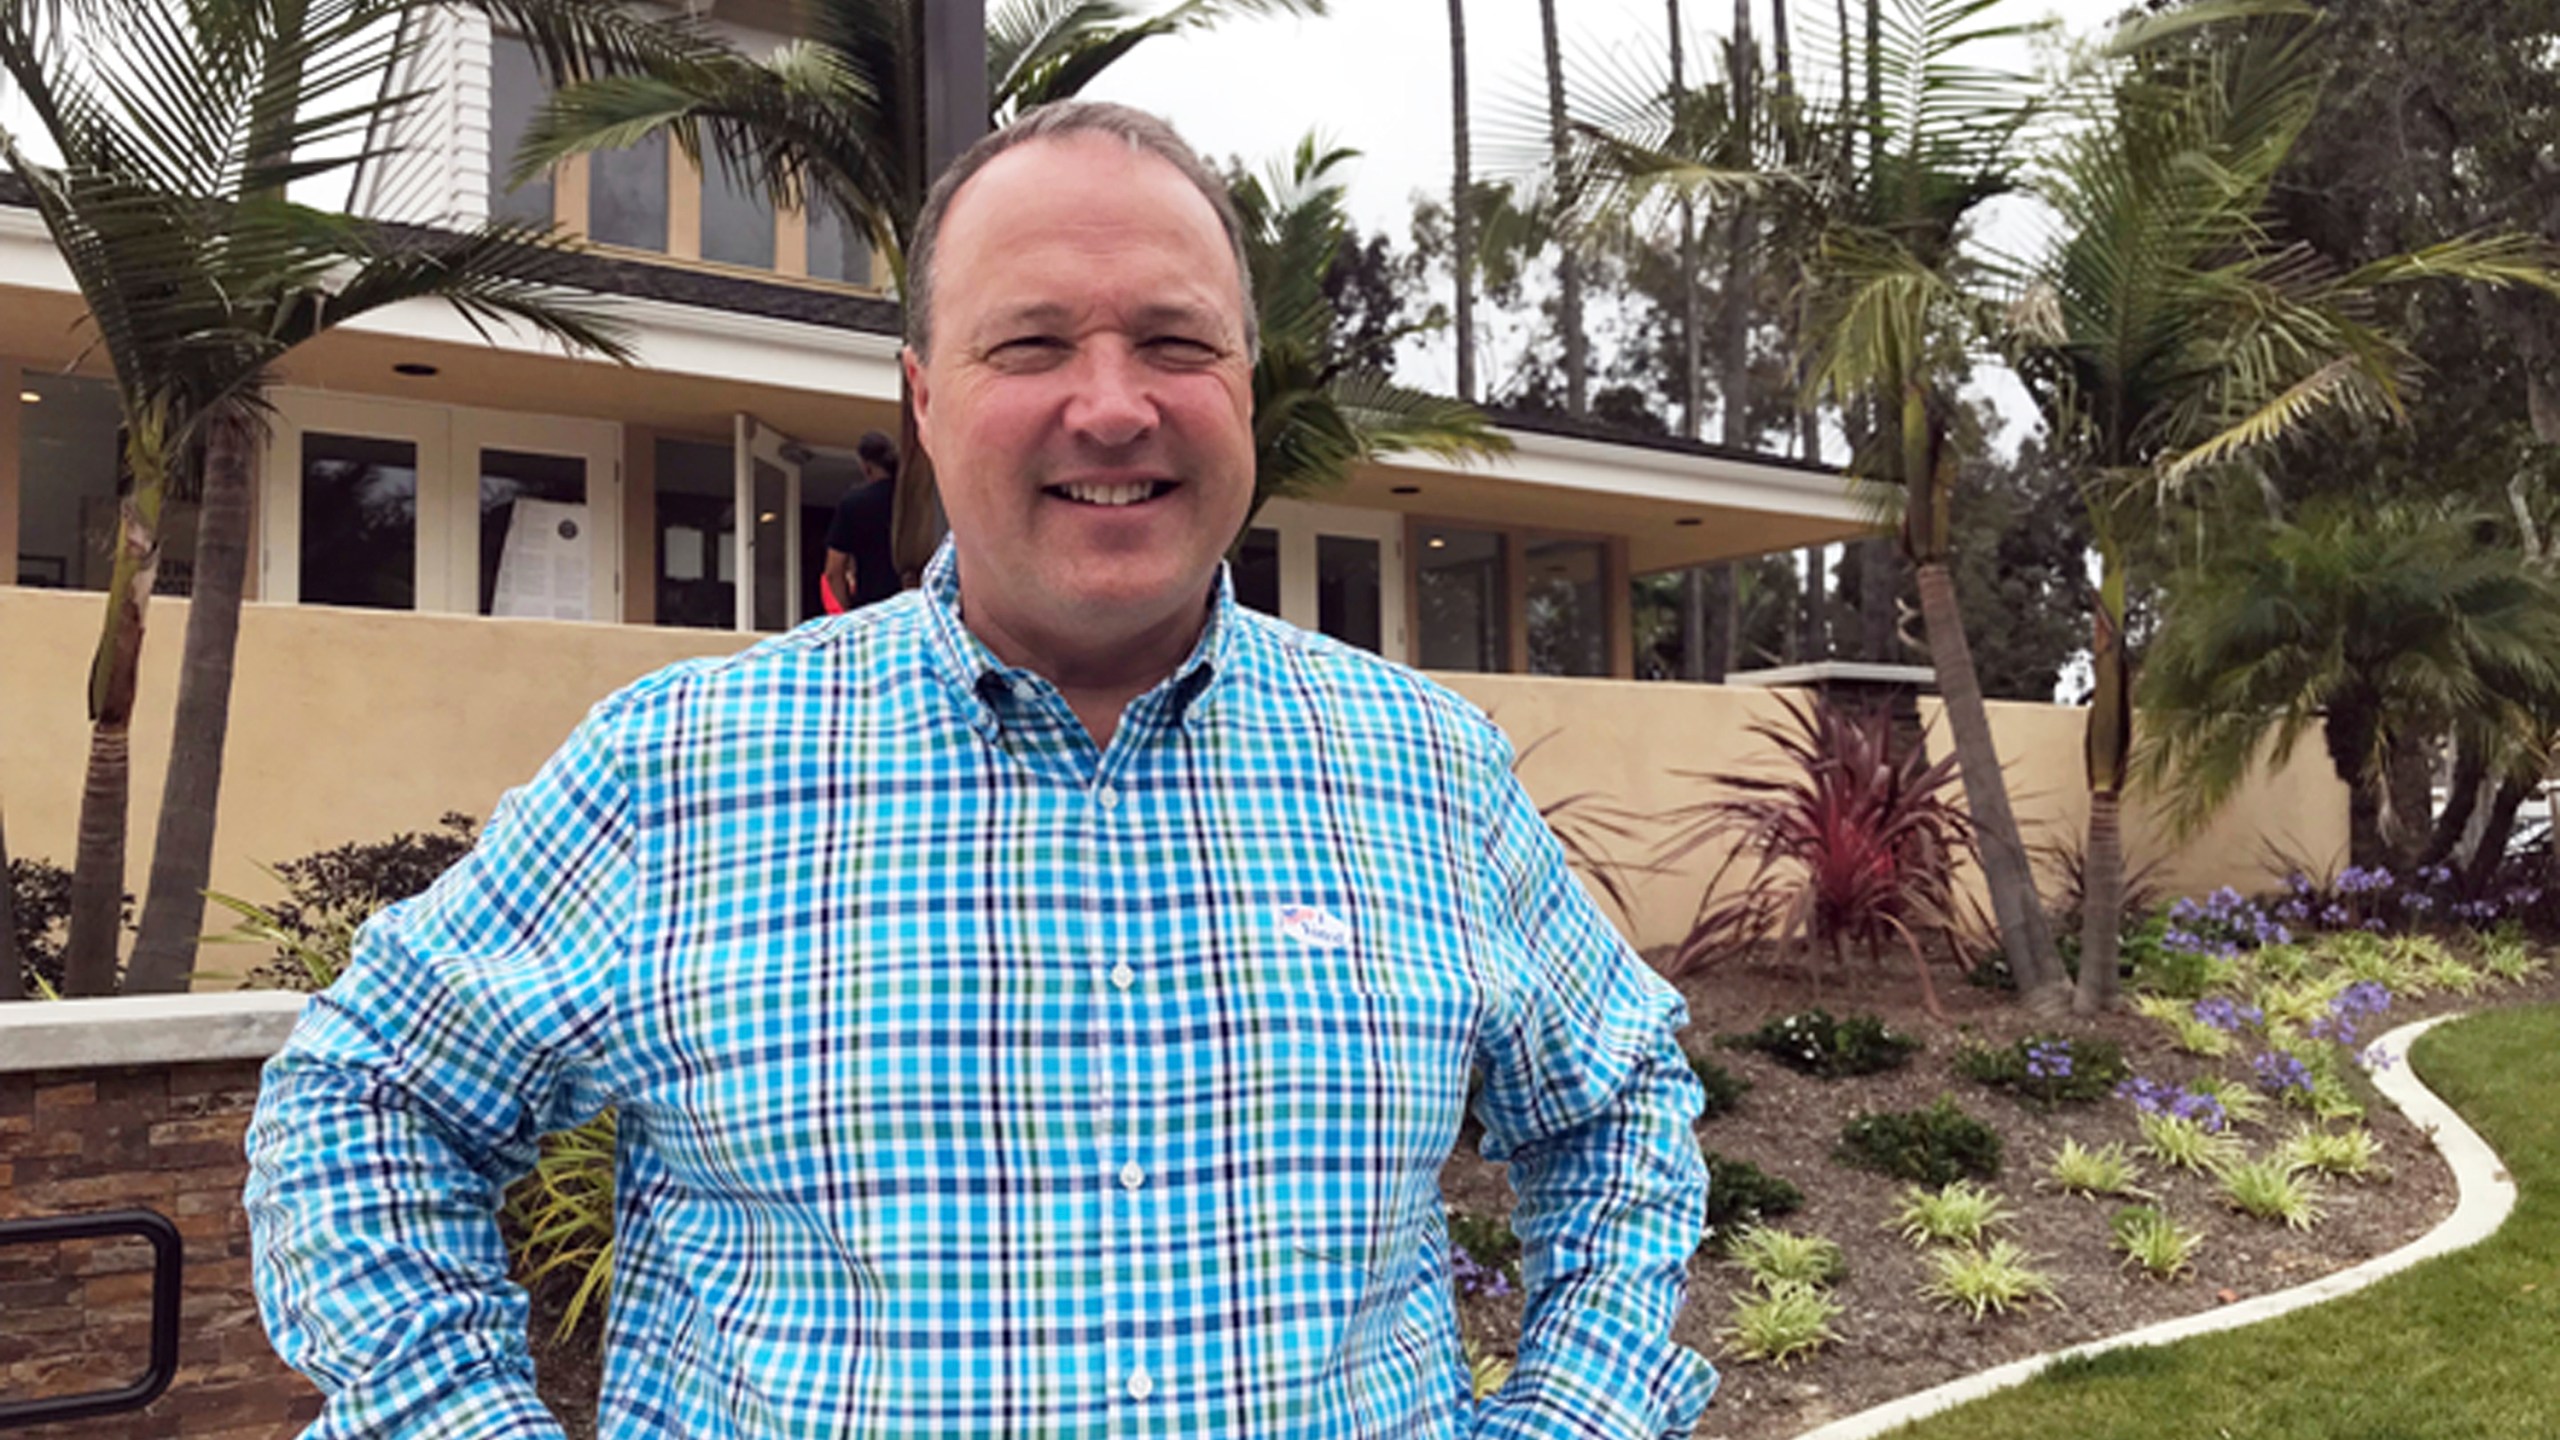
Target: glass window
[(737, 215), (70, 471), (697, 535), (359, 521), (627, 195), (1463, 596), (1257, 571), (535, 546), (772, 548), (837, 251), (516, 91), (1347, 579), (1568, 618)]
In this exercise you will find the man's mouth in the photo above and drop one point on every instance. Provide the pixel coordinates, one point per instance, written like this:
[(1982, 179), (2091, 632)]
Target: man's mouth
[(1132, 493)]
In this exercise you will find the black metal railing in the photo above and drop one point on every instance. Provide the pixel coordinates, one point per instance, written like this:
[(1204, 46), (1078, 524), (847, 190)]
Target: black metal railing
[(166, 1267)]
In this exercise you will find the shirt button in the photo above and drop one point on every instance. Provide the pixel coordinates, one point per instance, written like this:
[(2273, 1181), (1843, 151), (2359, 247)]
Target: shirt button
[(1123, 976), (1131, 1177), (1140, 1385), (1106, 797)]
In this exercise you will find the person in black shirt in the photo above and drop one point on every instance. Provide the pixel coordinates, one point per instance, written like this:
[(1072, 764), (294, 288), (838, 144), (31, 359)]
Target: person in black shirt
[(860, 567)]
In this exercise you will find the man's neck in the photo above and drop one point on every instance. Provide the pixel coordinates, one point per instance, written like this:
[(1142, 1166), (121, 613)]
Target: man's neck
[(1098, 680)]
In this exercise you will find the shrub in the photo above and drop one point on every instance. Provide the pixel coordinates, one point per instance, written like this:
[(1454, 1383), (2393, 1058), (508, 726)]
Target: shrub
[(563, 1212), (1854, 844), (40, 917), (2184, 1144), (1739, 1194), (330, 893), (1986, 1282), (2078, 1170), (1958, 1213), (2271, 1190), (1813, 1042), (1724, 1088), (2351, 1152), (1776, 1257), (2150, 1239), (1782, 1323), (2506, 956), (2191, 1035), (2047, 1070), (1930, 1147)]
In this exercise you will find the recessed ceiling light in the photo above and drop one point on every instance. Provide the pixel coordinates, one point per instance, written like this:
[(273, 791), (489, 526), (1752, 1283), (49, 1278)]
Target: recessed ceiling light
[(1688, 520), (1438, 543), (767, 518), (413, 367), (29, 397), (1407, 490)]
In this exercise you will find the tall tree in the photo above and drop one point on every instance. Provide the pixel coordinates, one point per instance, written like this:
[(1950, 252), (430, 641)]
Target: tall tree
[(1461, 214), (1568, 250), (179, 130), (13, 983)]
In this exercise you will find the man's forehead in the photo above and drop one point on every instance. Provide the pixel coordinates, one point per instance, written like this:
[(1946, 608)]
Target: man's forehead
[(1026, 182)]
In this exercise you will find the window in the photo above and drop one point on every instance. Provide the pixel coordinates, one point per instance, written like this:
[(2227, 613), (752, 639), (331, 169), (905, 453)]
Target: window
[(1348, 590), (1464, 597), (359, 521), (737, 216), (516, 92), (627, 195), (1567, 607), (71, 486), (837, 251), (534, 541), (697, 535), (1257, 571)]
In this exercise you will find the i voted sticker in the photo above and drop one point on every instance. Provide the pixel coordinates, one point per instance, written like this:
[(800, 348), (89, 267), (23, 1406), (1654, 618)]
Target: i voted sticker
[(1310, 926)]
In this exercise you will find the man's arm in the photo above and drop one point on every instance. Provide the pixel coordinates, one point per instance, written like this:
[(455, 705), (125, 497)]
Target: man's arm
[(1588, 1098), (414, 1090), (840, 576)]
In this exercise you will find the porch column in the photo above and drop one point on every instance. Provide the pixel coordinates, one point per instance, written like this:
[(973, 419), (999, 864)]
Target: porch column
[(11, 382)]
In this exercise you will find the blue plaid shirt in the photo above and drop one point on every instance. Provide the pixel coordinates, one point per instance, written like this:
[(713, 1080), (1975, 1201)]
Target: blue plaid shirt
[(975, 1081)]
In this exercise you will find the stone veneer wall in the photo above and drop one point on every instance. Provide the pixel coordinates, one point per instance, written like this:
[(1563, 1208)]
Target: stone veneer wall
[(113, 1104)]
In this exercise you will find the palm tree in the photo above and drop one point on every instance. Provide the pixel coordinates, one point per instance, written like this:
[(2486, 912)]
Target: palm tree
[(180, 128), (1317, 408), (1461, 216), (836, 118), (1898, 304), (2360, 621), (1577, 361), (2172, 330)]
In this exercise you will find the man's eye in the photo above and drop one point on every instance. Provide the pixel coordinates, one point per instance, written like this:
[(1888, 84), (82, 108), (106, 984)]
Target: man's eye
[(1182, 349), (1028, 345)]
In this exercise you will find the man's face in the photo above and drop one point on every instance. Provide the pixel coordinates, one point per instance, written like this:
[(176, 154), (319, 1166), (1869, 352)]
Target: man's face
[(1088, 403)]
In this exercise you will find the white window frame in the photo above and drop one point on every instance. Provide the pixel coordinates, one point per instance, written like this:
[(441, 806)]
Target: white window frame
[(1300, 524)]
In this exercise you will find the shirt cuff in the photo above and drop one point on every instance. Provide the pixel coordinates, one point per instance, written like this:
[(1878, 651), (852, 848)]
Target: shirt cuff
[(1595, 1375)]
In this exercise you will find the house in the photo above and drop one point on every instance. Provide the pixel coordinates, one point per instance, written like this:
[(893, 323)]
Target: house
[(436, 511)]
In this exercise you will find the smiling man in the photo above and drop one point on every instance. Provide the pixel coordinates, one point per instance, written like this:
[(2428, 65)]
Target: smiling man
[(1039, 1005)]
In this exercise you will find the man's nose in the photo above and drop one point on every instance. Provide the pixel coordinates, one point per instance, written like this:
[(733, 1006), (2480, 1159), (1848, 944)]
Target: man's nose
[(1114, 403)]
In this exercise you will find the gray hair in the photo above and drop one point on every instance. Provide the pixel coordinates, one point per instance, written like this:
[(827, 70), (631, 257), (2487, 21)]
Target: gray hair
[(1057, 120)]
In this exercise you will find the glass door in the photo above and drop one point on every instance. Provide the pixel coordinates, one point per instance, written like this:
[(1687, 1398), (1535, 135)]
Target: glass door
[(541, 535), (351, 504), (768, 497), (1335, 569)]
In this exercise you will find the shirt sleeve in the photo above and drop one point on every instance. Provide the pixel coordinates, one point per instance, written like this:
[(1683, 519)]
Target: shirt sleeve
[(414, 1090), (1590, 1101)]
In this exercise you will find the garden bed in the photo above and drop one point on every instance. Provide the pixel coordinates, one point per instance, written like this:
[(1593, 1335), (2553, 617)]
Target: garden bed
[(1892, 1342)]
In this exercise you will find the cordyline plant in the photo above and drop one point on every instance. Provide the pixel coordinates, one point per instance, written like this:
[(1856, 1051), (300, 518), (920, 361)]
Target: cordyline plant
[(1855, 845)]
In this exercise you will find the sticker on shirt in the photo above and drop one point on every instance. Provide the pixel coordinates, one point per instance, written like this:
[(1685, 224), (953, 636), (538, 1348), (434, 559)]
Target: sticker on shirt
[(1310, 926)]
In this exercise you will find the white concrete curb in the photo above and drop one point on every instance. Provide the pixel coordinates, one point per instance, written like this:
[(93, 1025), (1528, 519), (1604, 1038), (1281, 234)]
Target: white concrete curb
[(145, 1029), (2488, 1195)]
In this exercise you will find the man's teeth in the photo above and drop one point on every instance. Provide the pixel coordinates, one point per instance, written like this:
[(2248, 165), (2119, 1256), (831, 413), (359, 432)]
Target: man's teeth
[(1108, 494)]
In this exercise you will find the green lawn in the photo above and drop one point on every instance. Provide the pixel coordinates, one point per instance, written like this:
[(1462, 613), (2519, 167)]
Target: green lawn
[(2461, 1347)]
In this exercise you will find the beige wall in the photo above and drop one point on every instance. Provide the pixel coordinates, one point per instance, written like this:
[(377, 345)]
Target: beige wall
[(349, 725)]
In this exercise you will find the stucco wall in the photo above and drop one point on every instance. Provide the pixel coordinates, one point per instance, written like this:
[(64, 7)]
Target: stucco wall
[(349, 725)]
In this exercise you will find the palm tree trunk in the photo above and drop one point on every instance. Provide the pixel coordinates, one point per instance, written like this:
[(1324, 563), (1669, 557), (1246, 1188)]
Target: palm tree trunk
[(2024, 936), (182, 854), (1462, 251), (97, 873), (2462, 800), (1733, 345), (1692, 368), (1724, 594), (2411, 776), (1577, 360), (1813, 640), (13, 985), (2101, 905), (2482, 870)]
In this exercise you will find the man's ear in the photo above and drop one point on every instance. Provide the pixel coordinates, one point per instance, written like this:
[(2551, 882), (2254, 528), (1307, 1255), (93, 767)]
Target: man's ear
[(920, 394)]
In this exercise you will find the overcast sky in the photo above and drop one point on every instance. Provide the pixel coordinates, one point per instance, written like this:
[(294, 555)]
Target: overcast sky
[(1374, 76)]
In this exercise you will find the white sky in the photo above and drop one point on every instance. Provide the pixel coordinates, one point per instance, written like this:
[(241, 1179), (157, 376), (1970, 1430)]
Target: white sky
[(1374, 76)]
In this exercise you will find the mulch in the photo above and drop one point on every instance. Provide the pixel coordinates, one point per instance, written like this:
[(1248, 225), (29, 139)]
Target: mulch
[(1891, 1341)]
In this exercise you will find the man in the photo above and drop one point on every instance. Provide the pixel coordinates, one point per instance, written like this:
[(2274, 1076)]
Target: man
[(861, 567), (1037, 1006)]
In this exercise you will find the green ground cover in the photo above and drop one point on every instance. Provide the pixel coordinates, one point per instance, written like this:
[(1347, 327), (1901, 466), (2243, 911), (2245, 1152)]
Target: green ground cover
[(2457, 1348)]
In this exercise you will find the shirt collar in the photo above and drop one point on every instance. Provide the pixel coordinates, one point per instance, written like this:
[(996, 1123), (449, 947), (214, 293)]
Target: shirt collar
[(985, 685)]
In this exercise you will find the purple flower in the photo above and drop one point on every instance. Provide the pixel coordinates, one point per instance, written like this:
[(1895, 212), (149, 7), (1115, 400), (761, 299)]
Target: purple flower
[(2278, 1072), (2205, 1110), (2049, 1060), (2418, 904), (2356, 880), (2334, 913), (2365, 997), (2374, 1057), (2228, 1015)]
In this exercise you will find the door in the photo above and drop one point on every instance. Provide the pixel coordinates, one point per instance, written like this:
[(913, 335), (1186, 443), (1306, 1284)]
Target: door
[(355, 511), (1335, 569), (768, 490), (537, 527)]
